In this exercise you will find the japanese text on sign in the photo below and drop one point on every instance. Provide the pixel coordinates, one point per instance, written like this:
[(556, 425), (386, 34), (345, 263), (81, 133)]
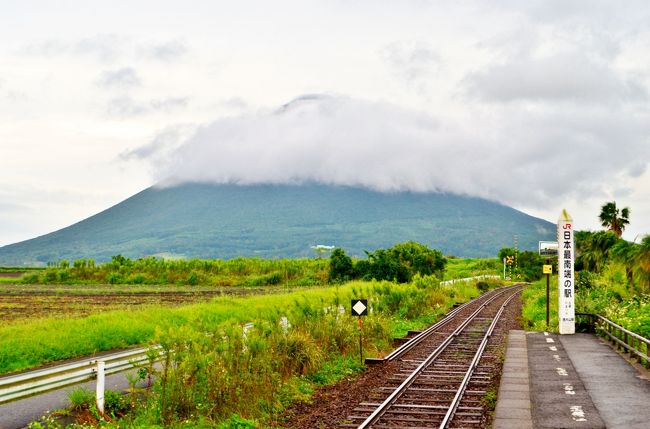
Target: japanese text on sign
[(566, 260)]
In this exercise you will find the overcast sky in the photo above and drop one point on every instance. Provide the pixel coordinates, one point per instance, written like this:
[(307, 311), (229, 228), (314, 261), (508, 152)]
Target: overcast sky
[(541, 105)]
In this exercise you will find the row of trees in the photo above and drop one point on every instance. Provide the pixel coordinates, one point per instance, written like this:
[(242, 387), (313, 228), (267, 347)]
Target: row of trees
[(398, 263), (528, 266), (596, 249)]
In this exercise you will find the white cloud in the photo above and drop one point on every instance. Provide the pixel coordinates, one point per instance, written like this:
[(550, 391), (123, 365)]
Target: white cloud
[(415, 62), (109, 47), (102, 47), (123, 78), (127, 107), (563, 77), (169, 51), (540, 104), (526, 159)]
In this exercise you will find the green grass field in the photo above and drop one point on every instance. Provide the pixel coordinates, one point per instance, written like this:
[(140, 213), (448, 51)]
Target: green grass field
[(33, 342), (470, 267), (268, 368)]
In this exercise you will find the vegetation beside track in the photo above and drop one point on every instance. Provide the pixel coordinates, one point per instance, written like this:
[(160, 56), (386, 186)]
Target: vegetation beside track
[(470, 267), (605, 294), (215, 372), (400, 262), (31, 343), (612, 278), (155, 271)]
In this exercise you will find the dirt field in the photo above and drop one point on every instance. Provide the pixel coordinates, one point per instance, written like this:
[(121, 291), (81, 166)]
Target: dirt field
[(20, 302)]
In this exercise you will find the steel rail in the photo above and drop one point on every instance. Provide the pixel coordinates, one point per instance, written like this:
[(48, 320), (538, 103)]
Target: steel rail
[(29, 383), (397, 393), (401, 350), (472, 367)]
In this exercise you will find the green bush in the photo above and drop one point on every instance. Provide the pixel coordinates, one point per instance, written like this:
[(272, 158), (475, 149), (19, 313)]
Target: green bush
[(193, 279), (398, 263), (115, 278), (51, 276), (528, 266), (81, 399), (341, 267), (115, 403)]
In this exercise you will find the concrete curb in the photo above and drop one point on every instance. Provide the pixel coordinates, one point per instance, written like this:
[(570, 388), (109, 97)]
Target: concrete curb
[(513, 402)]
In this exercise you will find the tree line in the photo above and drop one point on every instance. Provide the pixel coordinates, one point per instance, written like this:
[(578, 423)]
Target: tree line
[(595, 250), (399, 263)]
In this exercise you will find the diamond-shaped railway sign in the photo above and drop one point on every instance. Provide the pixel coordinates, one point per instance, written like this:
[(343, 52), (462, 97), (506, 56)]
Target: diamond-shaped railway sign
[(359, 307)]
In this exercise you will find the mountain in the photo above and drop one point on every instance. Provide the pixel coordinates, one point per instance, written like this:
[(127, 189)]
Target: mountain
[(271, 221)]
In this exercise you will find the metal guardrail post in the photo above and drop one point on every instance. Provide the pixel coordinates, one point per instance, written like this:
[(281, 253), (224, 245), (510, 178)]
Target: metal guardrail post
[(100, 387)]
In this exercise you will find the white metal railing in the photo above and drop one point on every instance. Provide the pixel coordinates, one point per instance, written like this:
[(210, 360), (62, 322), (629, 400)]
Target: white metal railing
[(42, 380), (625, 339)]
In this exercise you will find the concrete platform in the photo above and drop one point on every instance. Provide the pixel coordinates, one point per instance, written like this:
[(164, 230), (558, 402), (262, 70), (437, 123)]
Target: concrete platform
[(513, 403), (569, 381)]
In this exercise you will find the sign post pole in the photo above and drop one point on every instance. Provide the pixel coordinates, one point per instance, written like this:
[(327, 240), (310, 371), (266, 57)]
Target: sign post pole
[(360, 340), (565, 265), (547, 270), (360, 308)]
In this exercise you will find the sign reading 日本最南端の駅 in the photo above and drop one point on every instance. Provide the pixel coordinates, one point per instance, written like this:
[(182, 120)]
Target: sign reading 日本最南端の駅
[(565, 262)]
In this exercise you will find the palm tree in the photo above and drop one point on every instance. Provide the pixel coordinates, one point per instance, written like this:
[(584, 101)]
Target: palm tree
[(642, 260), (595, 249), (625, 252), (609, 217)]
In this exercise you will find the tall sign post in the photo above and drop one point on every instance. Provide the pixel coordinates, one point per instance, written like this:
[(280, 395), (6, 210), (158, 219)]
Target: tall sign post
[(548, 270), (360, 308), (548, 249), (565, 262)]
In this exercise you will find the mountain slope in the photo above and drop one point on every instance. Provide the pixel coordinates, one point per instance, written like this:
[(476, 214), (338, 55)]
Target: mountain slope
[(226, 221)]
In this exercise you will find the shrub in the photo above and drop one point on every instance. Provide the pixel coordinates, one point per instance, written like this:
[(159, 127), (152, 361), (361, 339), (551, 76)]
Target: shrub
[(115, 278), (401, 262), (341, 267), (115, 403), (483, 286), (81, 399), (193, 279), (426, 282)]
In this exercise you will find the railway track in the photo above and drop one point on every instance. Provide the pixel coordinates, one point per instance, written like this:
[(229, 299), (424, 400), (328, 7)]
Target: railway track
[(442, 374)]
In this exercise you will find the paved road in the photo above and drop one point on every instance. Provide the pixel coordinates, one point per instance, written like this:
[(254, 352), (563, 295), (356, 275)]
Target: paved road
[(18, 414)]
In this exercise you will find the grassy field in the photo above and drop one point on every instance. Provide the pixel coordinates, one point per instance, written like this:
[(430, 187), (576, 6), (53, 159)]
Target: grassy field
[(29, 343), (20, 303), (469, 267), (257, 374), (88, 318), (246, 272), (70, 292), (215, 372)]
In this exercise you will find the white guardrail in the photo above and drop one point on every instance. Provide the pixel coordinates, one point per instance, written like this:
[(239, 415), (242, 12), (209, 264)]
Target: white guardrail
[(468, 279), (29, 383)]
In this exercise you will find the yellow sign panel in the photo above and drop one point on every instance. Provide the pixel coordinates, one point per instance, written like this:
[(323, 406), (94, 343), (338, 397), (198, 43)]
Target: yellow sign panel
[(510, 260), (548, 269)]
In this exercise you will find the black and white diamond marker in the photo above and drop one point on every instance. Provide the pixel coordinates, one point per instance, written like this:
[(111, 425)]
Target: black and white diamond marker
[(359, 307)]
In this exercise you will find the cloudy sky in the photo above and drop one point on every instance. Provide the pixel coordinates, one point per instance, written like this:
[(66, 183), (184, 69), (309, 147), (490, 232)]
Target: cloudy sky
[(541, 105)]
